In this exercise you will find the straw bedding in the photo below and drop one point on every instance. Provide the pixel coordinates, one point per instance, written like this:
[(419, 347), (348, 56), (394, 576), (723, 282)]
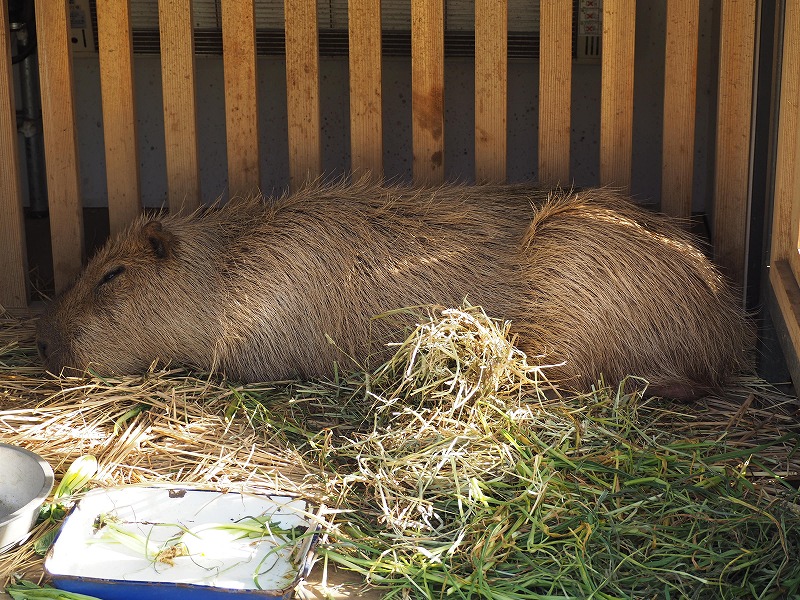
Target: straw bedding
[(454, 469)]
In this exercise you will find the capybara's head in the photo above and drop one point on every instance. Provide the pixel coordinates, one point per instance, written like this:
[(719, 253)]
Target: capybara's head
[(105, 320)]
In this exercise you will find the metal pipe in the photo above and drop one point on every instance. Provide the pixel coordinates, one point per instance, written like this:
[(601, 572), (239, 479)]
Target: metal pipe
[(31, 128)]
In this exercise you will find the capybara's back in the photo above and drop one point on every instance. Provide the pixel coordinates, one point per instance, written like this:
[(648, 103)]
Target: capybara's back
[(257, 289)]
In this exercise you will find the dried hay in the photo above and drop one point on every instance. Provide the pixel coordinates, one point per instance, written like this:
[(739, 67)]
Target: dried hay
[(455, 468)]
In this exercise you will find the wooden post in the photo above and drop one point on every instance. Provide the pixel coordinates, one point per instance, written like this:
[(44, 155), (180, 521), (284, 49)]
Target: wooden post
[(241, 97), (784, 272), (734, 112), (427, 90), (119, 113), (180, 109), (366, 116), (555, 91), (491, 89), (680, 92), (60, 139), (616, 96), (302, 88), (13, 276), (786, 209)]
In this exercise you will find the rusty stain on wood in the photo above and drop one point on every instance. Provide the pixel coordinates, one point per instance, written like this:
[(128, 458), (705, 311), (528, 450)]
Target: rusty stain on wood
[(427, 83)]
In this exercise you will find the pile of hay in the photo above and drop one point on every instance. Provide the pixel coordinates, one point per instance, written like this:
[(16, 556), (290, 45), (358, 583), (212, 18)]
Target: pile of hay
[(455, 469)]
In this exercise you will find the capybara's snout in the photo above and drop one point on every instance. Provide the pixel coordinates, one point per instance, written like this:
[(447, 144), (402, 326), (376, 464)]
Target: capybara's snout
[(50, 344)]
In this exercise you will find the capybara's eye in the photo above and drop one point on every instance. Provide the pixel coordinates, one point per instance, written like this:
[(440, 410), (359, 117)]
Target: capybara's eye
[(112, 274)]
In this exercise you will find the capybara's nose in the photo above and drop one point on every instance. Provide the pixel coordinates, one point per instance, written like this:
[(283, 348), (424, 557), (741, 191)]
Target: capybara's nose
[(42, 346)]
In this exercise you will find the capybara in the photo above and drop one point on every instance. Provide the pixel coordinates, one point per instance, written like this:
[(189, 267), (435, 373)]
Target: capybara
[(592, 284)]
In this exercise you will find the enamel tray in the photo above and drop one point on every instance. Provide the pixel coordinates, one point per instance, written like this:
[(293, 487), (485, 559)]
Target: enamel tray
[(210, 564)]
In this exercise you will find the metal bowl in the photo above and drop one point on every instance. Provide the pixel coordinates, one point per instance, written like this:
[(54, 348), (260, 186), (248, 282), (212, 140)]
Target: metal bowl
[(25, 481)]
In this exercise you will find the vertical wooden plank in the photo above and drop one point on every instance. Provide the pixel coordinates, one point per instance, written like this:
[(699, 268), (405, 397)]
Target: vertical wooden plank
[(734, 109), (119, 112), (241, 96), (302, 88), (13, 276), (366, 124), (616, 95), (427, 90), (784, 272), (786, 205), (555, 91), (680, 92), (60, 139), (491, 89), (180, 107)]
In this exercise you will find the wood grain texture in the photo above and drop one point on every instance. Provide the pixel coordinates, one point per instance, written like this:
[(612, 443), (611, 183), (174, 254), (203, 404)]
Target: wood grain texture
[(734, 111), (302, 89), (787, 294), (427, 90), (555, 91), (119, 112), (680, 94), (786, 206), (616, 95), (60, 139), (14, 274), (241, 96), (180, 106), (491, 89), (366, 113)]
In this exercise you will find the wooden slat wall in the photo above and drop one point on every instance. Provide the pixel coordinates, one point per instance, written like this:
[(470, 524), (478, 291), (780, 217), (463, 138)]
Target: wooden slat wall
[(303, 97), (302, 88), (241, 96), (784, 273), (680, 92), (491, 83), (734, 109), (427, 90), (119, 113), (180, 106), (555, 91), (366, 117), (616, 96), (60, 140), (13, 276)]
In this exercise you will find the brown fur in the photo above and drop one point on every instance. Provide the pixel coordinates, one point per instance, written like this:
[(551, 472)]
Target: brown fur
[(591, 283)]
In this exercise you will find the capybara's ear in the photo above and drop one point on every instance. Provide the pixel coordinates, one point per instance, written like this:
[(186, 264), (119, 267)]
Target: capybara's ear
[(159, 239)]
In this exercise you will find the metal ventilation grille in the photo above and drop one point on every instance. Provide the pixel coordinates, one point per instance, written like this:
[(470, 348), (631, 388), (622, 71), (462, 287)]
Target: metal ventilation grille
[(523, 27)]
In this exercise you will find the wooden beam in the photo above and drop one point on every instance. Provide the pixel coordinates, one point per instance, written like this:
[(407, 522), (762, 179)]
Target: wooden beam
[(427, 90), (302, 88), (491, 89), (241, 97), (787, 294), (786, 204), (555, 91), (734, 112), (616, 95), (14, 274), (60, 139), (366, 114), (119, 112), (680, 93), (180, 106)]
